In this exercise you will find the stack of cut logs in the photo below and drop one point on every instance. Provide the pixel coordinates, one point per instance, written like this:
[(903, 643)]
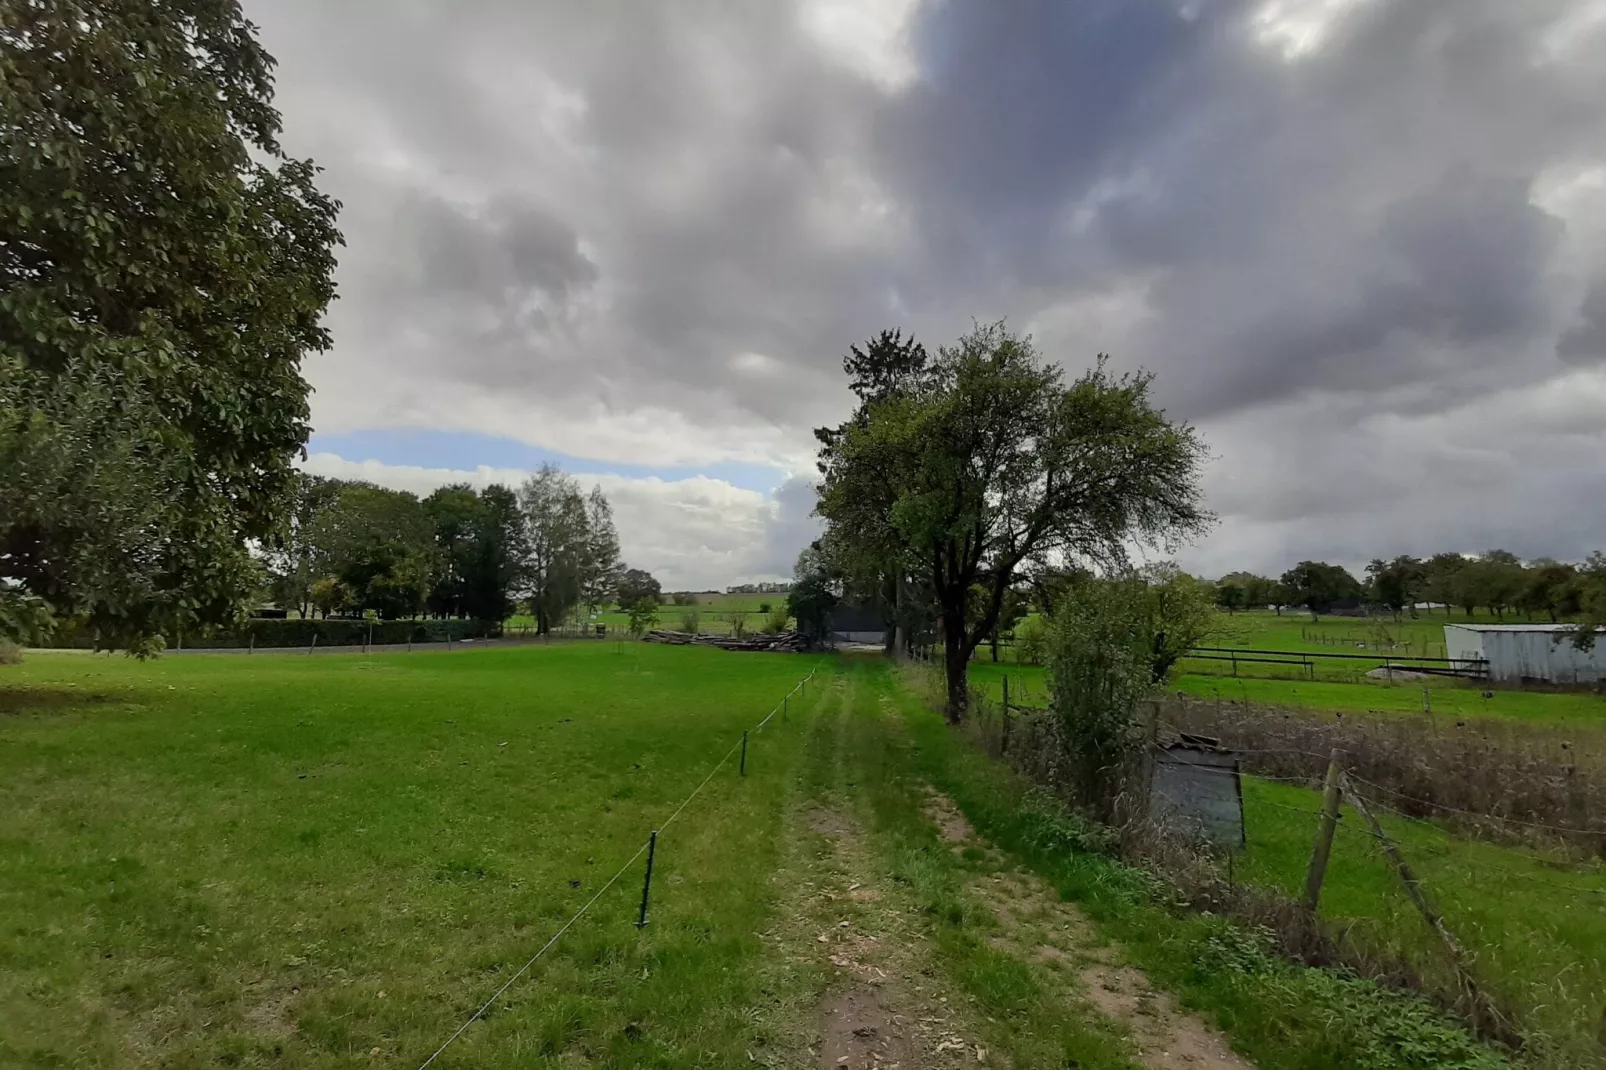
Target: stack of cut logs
[(787, 642)]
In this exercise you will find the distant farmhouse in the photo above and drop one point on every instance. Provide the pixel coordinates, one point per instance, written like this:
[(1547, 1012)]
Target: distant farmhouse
[(1518, 652)]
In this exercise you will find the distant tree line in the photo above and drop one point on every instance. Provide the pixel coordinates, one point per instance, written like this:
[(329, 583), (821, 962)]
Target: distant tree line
[(760, 588), (1496, 581), (546, 546)]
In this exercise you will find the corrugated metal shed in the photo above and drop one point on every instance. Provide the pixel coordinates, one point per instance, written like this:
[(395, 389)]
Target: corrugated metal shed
[(1518, 652)]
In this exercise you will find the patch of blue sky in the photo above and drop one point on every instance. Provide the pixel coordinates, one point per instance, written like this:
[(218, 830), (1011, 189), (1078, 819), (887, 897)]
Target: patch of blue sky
[(467, 450)]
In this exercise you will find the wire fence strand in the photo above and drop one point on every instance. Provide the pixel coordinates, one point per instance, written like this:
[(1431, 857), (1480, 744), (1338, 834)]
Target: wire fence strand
[(488, 1004)]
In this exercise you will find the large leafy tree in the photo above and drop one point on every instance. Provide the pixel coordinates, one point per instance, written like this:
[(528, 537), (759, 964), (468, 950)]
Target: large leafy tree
[(1396, 584), (293, 565), (571, 547), (379, 544), (1550, 587), (636, 586), (599, 567), (494, 569), (454, 512), (1319, 586), (862, 551), (992, 462), (1589, 590), (163, 269), (813, 595)]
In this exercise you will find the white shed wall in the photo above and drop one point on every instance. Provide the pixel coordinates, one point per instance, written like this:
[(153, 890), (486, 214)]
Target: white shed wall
[(1537, 654), (1462, 645)]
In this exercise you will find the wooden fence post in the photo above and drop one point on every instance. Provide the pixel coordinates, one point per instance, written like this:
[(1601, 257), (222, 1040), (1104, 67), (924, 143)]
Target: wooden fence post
[(1419, 898), (1316, 872)]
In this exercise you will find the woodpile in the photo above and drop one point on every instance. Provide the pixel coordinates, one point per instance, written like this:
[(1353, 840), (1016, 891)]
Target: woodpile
[(785, 642)]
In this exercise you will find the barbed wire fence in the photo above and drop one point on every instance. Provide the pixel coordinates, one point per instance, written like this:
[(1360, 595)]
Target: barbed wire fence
[(648, 847), (1015, 731)]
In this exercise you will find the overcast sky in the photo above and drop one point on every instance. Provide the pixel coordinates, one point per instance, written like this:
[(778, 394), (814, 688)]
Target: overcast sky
[(1362, 243)]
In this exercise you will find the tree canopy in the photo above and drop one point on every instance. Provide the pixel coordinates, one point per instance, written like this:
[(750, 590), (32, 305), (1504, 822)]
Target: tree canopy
[(1319, 586), (163, 270), (985, 462), (572, 550)]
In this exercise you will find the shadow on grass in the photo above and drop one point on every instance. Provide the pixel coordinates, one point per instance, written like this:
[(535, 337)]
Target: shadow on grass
[(42, 698)]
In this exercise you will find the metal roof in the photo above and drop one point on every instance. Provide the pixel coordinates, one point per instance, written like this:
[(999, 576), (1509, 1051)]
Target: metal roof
[(1513, 627)]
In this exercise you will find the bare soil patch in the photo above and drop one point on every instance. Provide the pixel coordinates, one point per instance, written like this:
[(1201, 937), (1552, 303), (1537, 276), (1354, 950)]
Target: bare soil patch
[(886, 1005)]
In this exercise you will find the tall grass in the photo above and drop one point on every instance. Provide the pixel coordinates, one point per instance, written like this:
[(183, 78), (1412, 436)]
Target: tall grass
[(1512, 781)]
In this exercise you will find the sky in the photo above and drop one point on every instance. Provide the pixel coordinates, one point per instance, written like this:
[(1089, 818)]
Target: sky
[(1360, 243)]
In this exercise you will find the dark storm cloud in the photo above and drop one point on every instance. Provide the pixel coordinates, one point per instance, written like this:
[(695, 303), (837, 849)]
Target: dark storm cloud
[(1339, 221), (1585, 341), (1340, 232)]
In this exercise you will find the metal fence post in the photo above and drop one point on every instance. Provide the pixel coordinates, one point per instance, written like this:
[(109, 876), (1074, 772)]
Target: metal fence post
[(744, 754), (646, 885)]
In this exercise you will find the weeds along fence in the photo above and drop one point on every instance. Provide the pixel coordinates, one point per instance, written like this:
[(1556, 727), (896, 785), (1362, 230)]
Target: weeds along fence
[(649, 848), (1489, 778), (1449, 783), (1505, 781)]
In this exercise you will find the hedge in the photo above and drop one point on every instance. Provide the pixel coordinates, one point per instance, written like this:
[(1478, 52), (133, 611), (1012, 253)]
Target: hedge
[(269, 633)]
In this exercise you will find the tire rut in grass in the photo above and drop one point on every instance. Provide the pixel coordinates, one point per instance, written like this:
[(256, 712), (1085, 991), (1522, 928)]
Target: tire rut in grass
[(883, 1003), (1036, 925), (888, 1006)]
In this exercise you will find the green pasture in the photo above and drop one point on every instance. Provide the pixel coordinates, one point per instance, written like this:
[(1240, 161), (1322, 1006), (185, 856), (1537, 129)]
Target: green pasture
[(1280, 1015), (295, 861), (1346, 694), (1421, 636), (1534, 923)]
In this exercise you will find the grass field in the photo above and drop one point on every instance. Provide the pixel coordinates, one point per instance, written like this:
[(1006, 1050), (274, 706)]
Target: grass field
[(1422, 635), (1535, 924), (329, 861), (332, 861), (1029, 685)]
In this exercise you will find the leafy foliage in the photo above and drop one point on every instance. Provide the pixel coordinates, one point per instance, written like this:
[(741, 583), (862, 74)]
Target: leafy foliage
[(163, 269), (1319, 586), (571, 548), (643, 616), (24, 618), (813, 596), (1101, 662), (987, 461), (1396, 584), (637, 585)]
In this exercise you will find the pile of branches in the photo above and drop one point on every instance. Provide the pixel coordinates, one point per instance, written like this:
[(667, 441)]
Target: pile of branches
[(784, 642)]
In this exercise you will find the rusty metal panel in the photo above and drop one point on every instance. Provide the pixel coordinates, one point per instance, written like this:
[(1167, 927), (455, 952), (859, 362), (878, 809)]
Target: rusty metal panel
[(1197, 792)]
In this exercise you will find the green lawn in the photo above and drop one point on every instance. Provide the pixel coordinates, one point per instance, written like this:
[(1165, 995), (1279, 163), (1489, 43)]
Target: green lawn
[(1536, 925), (332, 861), (1451, 698)]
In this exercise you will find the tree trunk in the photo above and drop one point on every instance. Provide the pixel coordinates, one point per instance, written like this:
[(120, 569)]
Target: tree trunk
[(954, 664), (900, 637), (993, 642)]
